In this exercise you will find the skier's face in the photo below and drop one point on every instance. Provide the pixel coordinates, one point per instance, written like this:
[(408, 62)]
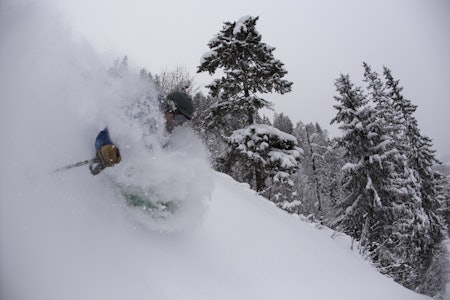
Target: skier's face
[(170, 123), (174, 119)]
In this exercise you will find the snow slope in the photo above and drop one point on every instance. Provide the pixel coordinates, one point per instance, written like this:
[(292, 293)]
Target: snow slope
[(73, 248), (69, 235)]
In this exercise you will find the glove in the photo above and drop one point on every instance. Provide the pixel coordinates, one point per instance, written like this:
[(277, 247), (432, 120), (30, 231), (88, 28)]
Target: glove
[(109, 155)]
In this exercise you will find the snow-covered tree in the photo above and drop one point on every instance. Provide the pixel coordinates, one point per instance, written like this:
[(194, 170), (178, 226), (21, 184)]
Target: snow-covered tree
[(421, 159), (212, 137), (321, 167), (263, 120), (353, 116), (119, 68), (383, 207), (267, 153), (421, 156), (394, 196), (283, 123), (249, 69)]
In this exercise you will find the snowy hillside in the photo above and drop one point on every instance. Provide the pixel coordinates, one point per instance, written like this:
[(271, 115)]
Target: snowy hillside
[(69, 235), (75, 245)]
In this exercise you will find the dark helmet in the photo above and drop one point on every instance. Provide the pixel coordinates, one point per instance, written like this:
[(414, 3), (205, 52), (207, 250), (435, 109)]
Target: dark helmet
[(182, 102)]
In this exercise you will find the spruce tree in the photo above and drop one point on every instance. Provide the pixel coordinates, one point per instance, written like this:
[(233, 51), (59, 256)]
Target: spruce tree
[(283, 123), (421, 159), (120, 68), (382, 209), (407, 220), (421, 156), (314, 142), (359, 206), (249, 68), (268, 153), (394, 196)]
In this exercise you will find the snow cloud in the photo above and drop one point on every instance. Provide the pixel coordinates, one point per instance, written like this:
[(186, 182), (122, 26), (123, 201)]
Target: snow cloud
[(55, 96)]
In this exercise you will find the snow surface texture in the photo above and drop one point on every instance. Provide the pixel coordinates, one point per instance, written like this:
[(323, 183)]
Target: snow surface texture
[(69, 235)]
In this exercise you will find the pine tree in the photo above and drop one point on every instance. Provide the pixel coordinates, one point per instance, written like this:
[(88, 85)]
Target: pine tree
[(268, 152), (283, 123), (383, 208), (264, 120), (212, 137), (314, 143), (359, 205), (420, 154), (394, 196), (249, 69), (409, 223), (421, 158), (120, 68)]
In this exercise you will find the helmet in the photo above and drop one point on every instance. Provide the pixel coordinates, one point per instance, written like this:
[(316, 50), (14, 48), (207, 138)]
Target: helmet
[(182, 102)]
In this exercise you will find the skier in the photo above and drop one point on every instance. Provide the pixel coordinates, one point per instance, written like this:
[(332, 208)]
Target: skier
[(178, 110), (107, 154)]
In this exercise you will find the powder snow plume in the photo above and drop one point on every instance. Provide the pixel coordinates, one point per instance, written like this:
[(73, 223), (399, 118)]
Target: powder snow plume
[(56, 95)]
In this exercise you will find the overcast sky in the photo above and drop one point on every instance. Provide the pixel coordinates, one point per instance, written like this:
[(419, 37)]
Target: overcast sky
[(316, 40)]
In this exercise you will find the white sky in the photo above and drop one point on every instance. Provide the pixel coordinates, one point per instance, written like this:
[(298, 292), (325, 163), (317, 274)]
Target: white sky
[(316, 40)]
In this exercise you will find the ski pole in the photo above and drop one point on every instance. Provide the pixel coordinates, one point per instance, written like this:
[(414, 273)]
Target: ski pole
[(75, 165)]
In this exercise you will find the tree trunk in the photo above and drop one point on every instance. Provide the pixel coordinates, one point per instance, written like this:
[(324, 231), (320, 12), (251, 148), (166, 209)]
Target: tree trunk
[(250, 118), (250, 112), (258, 179), (314, 169)]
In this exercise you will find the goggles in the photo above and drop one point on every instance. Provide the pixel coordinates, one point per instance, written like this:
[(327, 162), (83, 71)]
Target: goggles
[(179, 119), (176, 117)]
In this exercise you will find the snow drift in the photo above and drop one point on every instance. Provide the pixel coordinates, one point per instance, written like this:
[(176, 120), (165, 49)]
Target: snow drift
[(70, 236)]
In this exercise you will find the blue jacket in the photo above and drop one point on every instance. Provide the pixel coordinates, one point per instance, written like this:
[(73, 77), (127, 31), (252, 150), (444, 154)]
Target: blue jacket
[(102, 139)]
